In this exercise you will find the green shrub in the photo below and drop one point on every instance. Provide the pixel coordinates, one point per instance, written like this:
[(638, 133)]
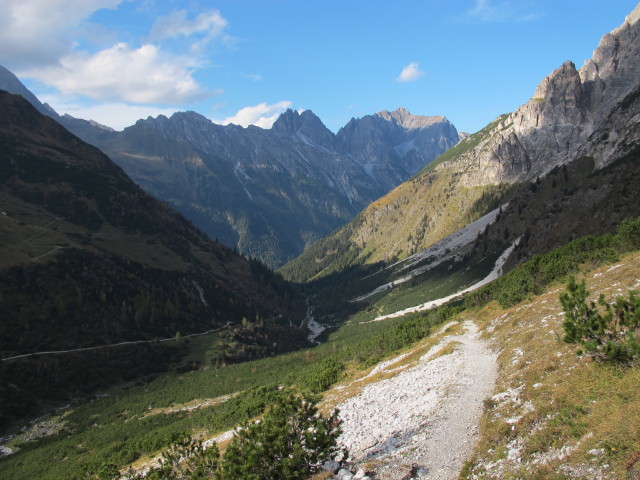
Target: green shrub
[(607, 331), (291, 441)]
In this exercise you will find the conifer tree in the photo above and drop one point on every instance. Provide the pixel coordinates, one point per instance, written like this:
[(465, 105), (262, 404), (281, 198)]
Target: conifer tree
[(292, 441), (607, 331)]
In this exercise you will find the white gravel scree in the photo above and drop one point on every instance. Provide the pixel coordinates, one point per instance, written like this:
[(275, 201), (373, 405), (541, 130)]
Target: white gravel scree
[(426, 415)]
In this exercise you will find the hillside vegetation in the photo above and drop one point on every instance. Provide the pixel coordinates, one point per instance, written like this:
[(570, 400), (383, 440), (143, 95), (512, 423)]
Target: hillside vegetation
[(554, 413), (150, 414), (88, 259)]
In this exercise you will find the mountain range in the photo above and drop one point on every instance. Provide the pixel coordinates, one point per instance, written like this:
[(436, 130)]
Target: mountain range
[(89, 259), (587, 116), (267, 192)]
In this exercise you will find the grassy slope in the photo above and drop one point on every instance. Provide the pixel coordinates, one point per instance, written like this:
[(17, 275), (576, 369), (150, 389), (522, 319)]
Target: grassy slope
[(418, 213), (552, 407)]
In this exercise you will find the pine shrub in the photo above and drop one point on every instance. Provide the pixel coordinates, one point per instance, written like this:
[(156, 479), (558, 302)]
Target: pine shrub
[(607, 331)]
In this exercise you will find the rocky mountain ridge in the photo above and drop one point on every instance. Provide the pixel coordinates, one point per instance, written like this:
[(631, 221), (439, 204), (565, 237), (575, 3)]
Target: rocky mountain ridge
[(572, 114), (268, 193), (271, 192)]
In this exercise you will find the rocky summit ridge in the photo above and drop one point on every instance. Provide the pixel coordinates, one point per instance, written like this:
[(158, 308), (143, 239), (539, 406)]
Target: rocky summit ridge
[(572, 113), (592, 113)]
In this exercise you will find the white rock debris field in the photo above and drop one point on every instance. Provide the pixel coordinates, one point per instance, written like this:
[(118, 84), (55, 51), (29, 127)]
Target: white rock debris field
[(424, 418)]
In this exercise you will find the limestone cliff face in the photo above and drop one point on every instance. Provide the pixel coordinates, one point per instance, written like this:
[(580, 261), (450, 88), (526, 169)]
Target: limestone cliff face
[(572, 113)]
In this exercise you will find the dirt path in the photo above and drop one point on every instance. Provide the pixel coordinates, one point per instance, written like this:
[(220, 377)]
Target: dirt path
[(426, 415)]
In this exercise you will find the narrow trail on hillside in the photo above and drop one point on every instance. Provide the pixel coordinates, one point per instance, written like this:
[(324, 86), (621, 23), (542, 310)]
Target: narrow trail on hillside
[(427, 415), (111, 345)]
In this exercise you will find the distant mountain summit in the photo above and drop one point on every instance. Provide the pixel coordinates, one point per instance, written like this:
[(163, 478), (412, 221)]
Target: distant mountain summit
[(580, 121), (392, 146), (268, 193)]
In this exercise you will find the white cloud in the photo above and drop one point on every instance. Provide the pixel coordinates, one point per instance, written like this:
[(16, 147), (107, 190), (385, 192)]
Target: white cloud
[(122, 73), (410, 73), (490, 11), (40, 31), (262, 115), (206, 27), (38, 41)]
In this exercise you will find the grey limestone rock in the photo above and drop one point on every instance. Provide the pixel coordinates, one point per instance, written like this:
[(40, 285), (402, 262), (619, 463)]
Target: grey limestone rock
[(592, 112)]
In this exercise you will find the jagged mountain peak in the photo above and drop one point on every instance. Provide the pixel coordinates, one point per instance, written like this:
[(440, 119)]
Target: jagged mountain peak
[(306, 126), (290, 121), (406, 119)]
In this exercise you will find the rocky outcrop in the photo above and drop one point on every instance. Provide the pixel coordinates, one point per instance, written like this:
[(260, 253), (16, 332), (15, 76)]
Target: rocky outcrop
[(572, 113), (392, 146)]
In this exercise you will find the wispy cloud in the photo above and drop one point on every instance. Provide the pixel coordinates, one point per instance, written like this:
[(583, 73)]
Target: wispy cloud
[(410, 73), (254, 77), (201, 30), (505, 11), (262, 115)]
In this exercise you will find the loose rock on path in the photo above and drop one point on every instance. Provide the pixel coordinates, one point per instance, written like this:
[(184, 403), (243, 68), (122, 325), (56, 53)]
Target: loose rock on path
[(423, 420)]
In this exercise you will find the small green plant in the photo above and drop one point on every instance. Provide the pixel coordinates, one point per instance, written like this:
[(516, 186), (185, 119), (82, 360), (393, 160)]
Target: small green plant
[(292, 440), (607, 331)]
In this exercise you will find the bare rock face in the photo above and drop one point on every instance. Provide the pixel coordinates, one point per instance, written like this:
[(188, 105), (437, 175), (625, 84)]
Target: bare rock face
[(392, 146), (572, 113)]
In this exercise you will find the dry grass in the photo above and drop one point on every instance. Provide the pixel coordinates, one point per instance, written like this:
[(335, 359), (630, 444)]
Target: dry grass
[(555, 414)]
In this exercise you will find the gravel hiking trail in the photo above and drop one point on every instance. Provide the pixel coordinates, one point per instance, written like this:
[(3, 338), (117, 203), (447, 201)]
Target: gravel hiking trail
[(425, 418)]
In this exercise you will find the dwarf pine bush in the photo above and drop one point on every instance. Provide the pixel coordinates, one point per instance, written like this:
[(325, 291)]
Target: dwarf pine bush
[(607, 331)]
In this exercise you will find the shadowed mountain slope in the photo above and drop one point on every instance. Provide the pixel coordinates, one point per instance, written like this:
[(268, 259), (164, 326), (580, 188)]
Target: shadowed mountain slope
[(87, 259)]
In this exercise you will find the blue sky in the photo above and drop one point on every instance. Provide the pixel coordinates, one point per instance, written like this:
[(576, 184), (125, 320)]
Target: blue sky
[(245, 61)]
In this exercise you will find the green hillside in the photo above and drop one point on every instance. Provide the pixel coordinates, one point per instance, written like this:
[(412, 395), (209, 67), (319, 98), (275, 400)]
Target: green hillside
[(88, 259)]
